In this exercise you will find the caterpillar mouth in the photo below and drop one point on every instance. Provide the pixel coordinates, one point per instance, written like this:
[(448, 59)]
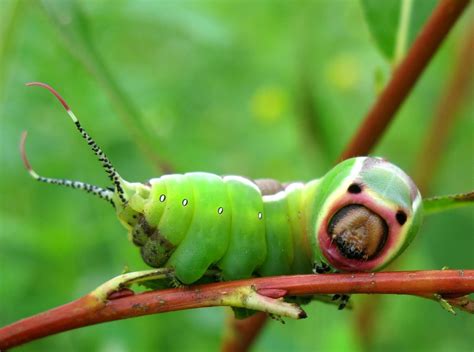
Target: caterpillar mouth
[(358, 232)]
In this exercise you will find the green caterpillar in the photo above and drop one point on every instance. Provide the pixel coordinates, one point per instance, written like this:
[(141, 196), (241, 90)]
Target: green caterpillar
[(358, 217)]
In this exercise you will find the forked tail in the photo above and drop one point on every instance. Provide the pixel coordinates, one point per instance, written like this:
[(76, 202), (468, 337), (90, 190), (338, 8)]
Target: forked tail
[(104, 193)]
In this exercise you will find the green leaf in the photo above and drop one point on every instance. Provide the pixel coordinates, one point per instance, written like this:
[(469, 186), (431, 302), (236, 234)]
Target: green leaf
[(394, 24), (72, 24), (442, 203), (382, 18)]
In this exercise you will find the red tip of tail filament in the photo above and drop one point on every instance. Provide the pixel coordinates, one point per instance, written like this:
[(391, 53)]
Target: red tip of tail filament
[(52, 90)]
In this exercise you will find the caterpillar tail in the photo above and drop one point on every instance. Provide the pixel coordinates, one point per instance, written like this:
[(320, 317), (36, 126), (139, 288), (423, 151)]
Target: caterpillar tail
[(114, 195)]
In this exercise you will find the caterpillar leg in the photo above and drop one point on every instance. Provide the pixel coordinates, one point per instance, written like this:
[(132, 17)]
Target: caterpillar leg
[(321, 268), (343, 300), (211, 275), (328, 299), (174, 281)]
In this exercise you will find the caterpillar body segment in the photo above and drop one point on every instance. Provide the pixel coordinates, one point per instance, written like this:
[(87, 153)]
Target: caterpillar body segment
[(349, 219), (296, 195), (278, 235), (358, 217), (227, 224), (247, 243), (179, 203), (207, 237)]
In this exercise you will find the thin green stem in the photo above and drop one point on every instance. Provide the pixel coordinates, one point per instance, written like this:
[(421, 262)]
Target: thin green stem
[(403, 31)]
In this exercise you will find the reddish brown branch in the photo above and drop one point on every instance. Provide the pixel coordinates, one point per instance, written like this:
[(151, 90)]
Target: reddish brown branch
[(88, 310), (452, 99), (405, 76)]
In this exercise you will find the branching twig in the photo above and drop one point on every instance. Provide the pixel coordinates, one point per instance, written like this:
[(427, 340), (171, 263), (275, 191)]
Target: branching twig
[(90, 309), (405, 76)]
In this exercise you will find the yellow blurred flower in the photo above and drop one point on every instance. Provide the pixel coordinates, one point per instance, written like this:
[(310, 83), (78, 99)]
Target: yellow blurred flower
[(343, 72), (268, 103)]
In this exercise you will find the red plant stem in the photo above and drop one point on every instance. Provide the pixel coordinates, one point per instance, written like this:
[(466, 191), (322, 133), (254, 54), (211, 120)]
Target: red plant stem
[(243, 332), (404, 77), (88, 311)]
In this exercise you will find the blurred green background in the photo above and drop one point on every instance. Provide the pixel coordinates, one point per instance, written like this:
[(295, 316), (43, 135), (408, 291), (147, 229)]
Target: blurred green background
[(255, 88)]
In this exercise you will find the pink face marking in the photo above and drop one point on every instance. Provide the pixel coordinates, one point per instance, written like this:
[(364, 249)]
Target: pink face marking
[(332, 252)]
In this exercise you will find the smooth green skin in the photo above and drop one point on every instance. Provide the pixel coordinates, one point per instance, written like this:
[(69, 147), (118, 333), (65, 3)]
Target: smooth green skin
[(247, 246), (177, 218), (238, 241), (279, 240), (153, 208), (207, 237), (302, 263)]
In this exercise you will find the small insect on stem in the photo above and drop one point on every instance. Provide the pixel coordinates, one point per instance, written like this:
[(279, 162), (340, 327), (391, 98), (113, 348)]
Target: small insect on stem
[(104, 193)]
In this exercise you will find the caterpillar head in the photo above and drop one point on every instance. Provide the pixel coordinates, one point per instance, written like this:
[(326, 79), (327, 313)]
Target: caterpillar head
[(369, 212)]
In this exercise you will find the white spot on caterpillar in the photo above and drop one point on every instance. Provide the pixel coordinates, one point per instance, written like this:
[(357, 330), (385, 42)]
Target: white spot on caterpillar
[(260, 215), (184, 202), (220, 210), (162, 198)]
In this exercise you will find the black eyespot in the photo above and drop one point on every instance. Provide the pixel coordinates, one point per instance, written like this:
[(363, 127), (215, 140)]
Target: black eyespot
[(354, 188), (401, 217)]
